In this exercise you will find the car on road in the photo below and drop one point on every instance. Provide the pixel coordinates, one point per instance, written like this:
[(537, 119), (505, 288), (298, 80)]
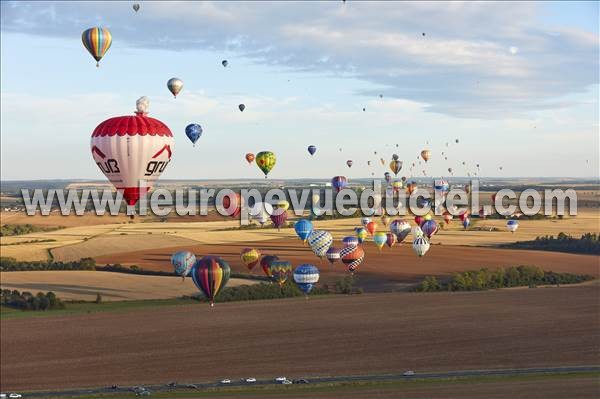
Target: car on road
[(172, 384), (300, 381), (15, 395), (225, 381), (287, 382), (280, 379), (250, 379), (191, 386), (143, 393), (408, 373)]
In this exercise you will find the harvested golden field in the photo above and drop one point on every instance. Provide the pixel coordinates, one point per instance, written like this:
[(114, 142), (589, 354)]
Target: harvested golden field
[(85, 285), (332, 335)]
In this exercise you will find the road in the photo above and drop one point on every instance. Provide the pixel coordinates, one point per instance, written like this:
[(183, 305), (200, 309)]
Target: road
[(320, 380)]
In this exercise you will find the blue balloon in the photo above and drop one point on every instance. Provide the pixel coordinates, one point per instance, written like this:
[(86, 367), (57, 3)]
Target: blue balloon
[(305, 277), (303, 228), (312, 149), (193, 131)]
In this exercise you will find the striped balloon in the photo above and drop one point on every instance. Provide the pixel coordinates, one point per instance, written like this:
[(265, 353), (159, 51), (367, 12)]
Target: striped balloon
[(352, 257), (430, 227), (279, 217), (420, 246), (379, 239), (339, 183), (97, 41), (512, 225), (210, 274), (280, 271), (305, 276), (333, 254), (320, 241), (250, 257), (265, 263)]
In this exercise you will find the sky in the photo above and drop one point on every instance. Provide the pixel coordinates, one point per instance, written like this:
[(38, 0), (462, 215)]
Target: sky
[(516, 83)]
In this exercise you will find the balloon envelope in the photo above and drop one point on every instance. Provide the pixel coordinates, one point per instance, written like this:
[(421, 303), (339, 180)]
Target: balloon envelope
[(303, 228), (193, 132), (265, 160), (175, 85), (97, 41), (306, 276), (280, 271), (182, 262), (312, 149), (210, 274), (250, 257), (320, 241)]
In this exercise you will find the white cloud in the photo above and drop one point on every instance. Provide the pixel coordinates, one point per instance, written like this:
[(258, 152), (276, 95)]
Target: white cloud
[(461, 66)]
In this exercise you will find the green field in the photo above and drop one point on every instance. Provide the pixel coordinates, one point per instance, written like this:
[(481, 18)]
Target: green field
[(366, 388)]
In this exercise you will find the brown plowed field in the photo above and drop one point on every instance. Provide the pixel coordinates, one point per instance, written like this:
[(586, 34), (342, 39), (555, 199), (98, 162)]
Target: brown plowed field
[(390, 269), (337, 335)]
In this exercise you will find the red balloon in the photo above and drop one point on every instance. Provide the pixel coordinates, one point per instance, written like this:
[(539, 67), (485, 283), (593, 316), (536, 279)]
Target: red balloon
[(232, 205), (419, 220), (371, 227)]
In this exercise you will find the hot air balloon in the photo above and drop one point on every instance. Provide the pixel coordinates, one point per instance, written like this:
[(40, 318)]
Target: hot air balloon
[(280, 271), (512, 225), (397, 186), (175, 85), (426, 154), (261, 212), (131, 150), (279, 217), (395, 157), (210, 274), (182, 262), (448, 217), (265, 263), (388, 177), (371, 227), (411, 188), (361, 234), (365, 220), (312, 149), (193, 131), (352, 257), (283, 204), (466, 222), (349, 163), (482, 213), (390, 239), (339, 183), (396, 166), (332, 255), (136, 7), (400, 228), (250, 157), (265, 160), (419, 220), (350, 241), (232, 205), (429, 228), (250, 257), (224, 63), (303, 228), (382, 161), (241, 107), (364, 109), (420, 246), (320, 241), (450, 171), (385, 219), (379, 239), (306, 276), (441, 186), (456, 141), (97, 41)]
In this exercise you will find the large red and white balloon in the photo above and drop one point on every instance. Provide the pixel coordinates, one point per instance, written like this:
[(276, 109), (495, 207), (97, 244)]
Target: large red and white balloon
[(132, 151)]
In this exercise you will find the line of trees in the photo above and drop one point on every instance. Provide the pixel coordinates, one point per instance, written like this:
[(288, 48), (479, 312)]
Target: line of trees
[(28, 301), (483, 279), (19, 229), (588, 243), (8, 264)]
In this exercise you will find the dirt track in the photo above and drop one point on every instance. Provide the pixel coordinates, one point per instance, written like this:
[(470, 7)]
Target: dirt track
[(389, 269), (375, 333)]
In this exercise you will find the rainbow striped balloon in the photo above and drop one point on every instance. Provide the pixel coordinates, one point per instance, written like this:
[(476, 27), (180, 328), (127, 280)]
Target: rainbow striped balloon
[(210, 274), (97, 41)]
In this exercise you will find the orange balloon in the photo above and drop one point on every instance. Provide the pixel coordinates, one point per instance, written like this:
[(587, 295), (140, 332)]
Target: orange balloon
[(250, 157), (371, 227)]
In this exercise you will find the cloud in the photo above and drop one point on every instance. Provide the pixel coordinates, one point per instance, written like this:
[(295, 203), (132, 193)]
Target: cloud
[(465, 65)]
